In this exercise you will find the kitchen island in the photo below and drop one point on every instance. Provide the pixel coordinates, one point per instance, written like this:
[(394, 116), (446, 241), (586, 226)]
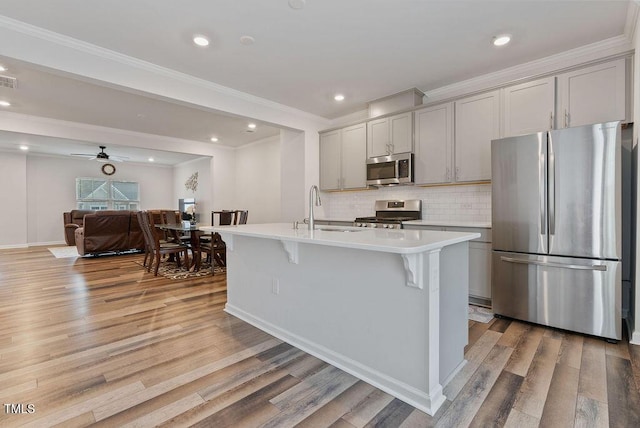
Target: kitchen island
[(387, 306)]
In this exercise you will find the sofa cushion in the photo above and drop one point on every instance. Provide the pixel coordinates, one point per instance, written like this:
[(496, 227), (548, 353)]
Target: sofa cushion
[(106, 231), (73, 220)]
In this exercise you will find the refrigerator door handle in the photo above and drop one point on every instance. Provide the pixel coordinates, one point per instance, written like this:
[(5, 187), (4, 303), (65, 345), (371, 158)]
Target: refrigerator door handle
[(542, 177), (552, 264), (552, 191)]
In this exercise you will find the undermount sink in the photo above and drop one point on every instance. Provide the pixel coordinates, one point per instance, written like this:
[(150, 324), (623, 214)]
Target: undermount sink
[(332, 229)]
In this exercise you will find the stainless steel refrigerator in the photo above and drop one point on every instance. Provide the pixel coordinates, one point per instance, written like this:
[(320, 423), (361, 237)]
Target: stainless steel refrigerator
[(557, 228)]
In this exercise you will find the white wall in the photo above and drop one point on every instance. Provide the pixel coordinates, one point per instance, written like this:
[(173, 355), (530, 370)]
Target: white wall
[(295, 176), (258, 180), (51, 190), (203, 193), (13, 194)]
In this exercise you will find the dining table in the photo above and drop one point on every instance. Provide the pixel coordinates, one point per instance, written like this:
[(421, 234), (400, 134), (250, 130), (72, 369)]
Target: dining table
[(178, 229)]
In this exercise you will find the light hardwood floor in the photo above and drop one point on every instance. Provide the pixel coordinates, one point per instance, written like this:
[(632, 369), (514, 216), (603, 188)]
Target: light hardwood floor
[(101, 342)]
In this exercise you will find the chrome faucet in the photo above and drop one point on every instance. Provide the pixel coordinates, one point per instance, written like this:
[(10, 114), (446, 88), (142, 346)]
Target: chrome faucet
[(318, 203)]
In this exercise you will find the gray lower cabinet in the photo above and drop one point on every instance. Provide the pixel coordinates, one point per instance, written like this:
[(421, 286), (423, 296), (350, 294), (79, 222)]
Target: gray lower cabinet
[(479, 261)]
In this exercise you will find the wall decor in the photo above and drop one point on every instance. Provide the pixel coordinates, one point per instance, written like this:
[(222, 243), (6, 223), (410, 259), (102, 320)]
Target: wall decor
[(108, 169), (192, 182)]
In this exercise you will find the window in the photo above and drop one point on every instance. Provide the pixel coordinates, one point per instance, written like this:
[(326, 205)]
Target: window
[(100, 194)]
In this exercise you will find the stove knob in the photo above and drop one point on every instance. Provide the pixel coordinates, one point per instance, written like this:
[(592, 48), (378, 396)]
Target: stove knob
[(374, 225)]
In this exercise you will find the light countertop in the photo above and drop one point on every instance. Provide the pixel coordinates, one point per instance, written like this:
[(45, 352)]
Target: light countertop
[(450, 223), (400, 241)]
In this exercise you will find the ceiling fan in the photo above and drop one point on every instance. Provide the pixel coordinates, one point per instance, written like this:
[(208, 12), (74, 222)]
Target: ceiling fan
[(101, 156)]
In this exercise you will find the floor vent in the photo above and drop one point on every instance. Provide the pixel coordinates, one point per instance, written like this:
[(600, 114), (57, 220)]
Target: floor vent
[(8, 82)]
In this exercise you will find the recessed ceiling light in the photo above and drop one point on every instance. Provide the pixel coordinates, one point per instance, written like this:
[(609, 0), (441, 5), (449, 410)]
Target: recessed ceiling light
[(214, 139), (251, 126), (297, 4), (3, 68), (339, 97), (200, 40), (24, 148), (5, 103), (151, 160), (247, 40), (501, 40)]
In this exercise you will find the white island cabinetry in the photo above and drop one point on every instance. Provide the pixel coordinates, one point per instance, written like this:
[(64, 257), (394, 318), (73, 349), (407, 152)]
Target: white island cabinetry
[(387, 306)]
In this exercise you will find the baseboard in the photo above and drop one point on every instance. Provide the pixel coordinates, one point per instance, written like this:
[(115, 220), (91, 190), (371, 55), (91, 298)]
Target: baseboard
[(15, 246), (46, 244), (480, 301)]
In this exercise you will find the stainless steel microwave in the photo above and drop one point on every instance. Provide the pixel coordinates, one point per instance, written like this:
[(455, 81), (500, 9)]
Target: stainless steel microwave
[(390, 170)]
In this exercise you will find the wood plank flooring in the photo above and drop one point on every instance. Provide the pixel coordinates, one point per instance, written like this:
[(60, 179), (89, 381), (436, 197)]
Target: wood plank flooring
[(100, 342)]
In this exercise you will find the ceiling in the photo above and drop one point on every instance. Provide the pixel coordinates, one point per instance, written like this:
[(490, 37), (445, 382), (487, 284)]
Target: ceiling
[(364, 49)]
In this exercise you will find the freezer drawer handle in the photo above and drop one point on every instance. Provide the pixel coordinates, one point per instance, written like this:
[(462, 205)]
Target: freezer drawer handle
[(551, 264)]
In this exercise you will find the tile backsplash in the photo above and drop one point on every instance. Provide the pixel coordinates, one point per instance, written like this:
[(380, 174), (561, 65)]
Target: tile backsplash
[(461, 203)]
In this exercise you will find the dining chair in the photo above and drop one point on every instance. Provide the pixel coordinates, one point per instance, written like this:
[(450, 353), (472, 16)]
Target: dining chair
[(147, 240), (225, 217), (229, 217), (241, 216), (216, 251), (158, 249)]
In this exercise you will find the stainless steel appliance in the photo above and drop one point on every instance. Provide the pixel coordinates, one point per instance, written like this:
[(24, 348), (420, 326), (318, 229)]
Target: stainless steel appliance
[(391, 213), (390, 170), (557, 228)]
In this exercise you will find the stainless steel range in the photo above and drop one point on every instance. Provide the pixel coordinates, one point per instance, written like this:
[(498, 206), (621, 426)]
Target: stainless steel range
[(391, 213)]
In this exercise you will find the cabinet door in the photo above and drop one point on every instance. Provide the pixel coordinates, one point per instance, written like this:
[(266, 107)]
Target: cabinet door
[(529, 107), (401, 133), (592, 95), (354, 157), (330, 143), (378, 137), (477, 123), (480, 269), (433, 144)]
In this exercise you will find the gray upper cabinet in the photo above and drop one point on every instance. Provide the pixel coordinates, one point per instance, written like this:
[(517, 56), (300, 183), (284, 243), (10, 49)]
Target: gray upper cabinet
[(390, 135), (330, 153), (343, 156), (477, 122), (592, 94), (529, 107), (434, 144)]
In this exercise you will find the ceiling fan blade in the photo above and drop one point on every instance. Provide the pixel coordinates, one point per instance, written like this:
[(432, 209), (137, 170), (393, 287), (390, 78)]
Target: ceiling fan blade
[(83, 155)]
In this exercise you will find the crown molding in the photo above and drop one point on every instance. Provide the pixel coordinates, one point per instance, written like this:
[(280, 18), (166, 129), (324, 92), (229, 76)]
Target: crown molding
[(614, 46), (633, 21), (109, 55)]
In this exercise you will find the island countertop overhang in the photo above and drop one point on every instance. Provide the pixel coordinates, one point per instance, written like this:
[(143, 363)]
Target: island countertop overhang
[(398, 241)]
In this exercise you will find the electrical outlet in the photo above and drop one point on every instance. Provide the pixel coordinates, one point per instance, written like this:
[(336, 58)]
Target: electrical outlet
[(275, 286)]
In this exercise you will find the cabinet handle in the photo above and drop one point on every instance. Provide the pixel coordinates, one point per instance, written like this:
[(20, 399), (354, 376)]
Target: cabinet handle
[(551, 121), (457, 173), (566, 118), (393, 148)]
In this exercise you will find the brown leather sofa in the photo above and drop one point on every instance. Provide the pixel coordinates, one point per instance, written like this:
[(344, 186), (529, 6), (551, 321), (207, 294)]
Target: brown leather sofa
[(109, 231), (73, 220)]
